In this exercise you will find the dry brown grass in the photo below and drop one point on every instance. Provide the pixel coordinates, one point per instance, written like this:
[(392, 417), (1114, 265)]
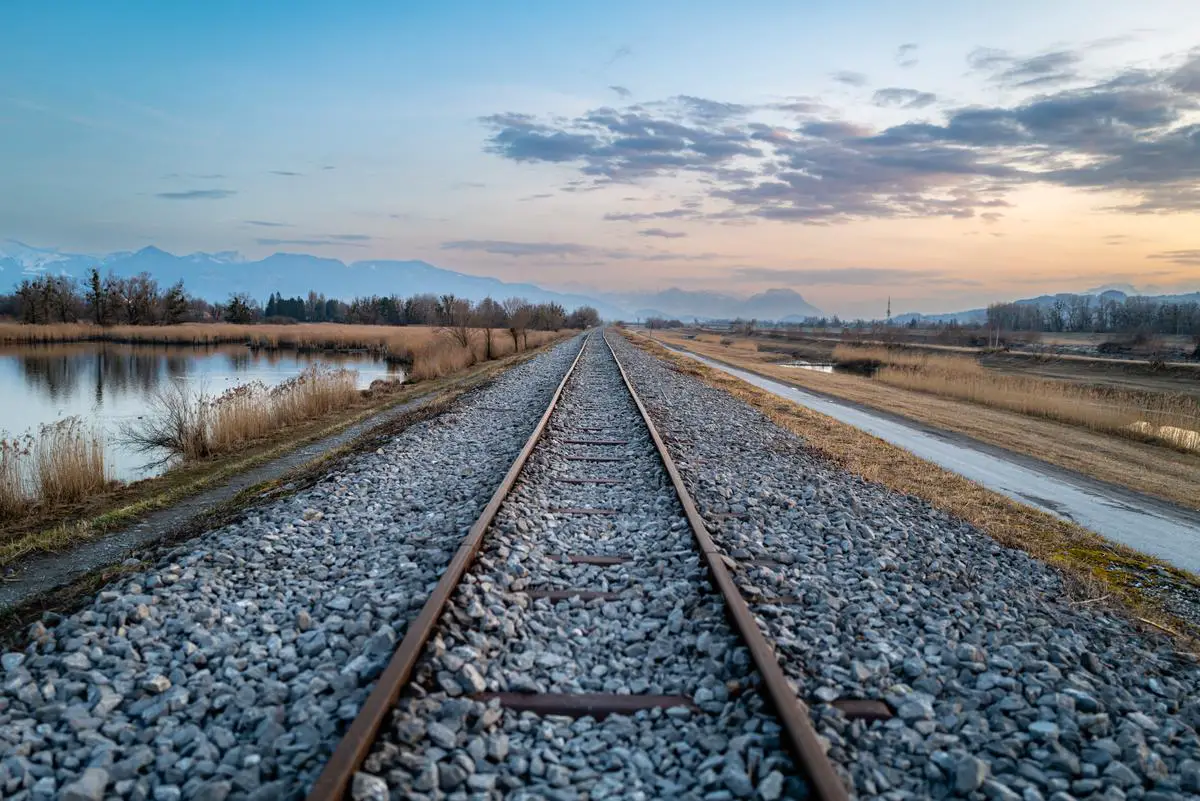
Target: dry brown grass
[(62, 463), (429, 352), (197, 427), (1168, 418), (1093, 566), (1165, 473)]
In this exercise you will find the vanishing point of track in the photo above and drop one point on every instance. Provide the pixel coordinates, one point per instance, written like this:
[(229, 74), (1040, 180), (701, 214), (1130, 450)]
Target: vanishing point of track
[(792, 714)]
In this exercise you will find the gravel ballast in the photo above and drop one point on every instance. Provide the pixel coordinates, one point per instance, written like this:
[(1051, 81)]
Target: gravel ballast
[(229, 669), (1003, 686), (663, 633)]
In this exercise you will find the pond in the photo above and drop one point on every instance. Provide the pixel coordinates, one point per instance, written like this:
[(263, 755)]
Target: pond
[(107, 384)]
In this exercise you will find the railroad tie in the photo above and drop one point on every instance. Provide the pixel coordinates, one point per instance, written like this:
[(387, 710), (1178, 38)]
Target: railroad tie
[(577, 705)]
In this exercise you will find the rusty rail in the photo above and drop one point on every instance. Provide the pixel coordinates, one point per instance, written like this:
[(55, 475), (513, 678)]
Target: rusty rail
[(334, 779), (792, 712)]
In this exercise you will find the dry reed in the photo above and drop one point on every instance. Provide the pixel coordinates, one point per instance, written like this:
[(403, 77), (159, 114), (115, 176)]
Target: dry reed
[(196, 427), (62, 463), (1168, 417)]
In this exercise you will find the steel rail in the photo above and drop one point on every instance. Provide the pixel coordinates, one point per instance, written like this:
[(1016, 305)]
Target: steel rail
[(354, 746), (792, 712)]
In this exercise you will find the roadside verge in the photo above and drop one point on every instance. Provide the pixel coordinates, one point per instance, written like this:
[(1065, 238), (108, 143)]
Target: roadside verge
[(1099, 571)]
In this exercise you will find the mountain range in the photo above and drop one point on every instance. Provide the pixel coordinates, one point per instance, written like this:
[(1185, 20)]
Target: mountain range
[(215, 276)]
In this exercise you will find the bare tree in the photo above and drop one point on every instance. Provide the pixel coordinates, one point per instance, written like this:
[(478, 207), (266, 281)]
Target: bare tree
[(488, 316), (458, 318), (519, 315)]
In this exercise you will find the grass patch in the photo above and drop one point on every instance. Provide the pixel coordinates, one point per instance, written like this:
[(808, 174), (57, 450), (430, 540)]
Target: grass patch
[(198, 427), (1093, 567), (63, 463)]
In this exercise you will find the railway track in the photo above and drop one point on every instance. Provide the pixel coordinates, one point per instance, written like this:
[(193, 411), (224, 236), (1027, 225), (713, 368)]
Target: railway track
[(574, 644)]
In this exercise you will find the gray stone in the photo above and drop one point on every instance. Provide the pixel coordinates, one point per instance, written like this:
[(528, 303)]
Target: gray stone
[(969, 774), (88, 787)]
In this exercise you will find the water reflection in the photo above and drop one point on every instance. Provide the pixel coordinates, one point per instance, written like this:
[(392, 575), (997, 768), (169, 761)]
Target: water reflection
[(107, 383)]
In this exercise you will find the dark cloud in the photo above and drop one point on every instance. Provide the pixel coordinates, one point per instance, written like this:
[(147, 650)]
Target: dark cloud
[(661, 232), (268, 224), (1045, 69), (286, 173), (903, 98), (850, 276), (849, 78), (1188, 258), (906, 55), (621, 91), (1134, 133), (198, 194)]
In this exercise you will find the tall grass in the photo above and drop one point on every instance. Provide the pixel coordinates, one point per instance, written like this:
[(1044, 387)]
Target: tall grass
[(1172, 418), (197, 426), (62, 463)]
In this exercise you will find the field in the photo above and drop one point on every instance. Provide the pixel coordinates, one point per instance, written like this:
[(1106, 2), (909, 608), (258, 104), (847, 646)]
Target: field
[(1126, 457)]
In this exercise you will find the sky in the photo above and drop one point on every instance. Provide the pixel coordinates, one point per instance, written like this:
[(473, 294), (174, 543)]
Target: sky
[(942, 154)]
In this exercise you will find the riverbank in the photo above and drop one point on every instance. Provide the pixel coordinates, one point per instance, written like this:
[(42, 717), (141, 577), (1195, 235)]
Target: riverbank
[(53, 528)]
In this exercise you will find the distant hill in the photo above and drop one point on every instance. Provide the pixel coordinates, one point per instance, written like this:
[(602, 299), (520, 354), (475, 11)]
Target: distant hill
[(214, 276), (773, 304)]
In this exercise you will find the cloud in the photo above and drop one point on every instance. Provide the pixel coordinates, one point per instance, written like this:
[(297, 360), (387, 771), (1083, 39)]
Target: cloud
[(350, 237), (646, 216), (903, 98), (573, 251), (286, 173), (662, 232), (197, 194), (1042, 70), (505, 248), (1188, 258), (268, 224), (621, 52), (1133, 134), (313, 242), (621, 91), (849, 78), (538, 196), (849, 276), (906, 55), (469, 185)]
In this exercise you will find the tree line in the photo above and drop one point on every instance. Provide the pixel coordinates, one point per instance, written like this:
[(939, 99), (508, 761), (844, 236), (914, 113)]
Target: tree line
[(141, 300), (1106, 315)]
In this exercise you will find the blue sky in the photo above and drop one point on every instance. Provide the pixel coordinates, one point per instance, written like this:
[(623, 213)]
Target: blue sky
[(388, 130)]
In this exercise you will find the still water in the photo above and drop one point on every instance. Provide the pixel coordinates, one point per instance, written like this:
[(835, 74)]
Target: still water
[(106, 384)]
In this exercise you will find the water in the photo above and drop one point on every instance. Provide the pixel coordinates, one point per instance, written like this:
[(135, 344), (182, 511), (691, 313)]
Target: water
[(107, 384), (816, 368)]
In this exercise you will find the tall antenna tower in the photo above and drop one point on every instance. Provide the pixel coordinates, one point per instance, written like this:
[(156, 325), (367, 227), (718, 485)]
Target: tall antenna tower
[(889, 312)]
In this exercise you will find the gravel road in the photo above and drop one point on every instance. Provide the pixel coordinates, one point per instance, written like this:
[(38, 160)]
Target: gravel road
[(1003, 688), (662, 632), (229, 669)]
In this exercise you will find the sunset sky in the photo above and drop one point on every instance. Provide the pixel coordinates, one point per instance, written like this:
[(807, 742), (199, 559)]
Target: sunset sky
[(944, 153)]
